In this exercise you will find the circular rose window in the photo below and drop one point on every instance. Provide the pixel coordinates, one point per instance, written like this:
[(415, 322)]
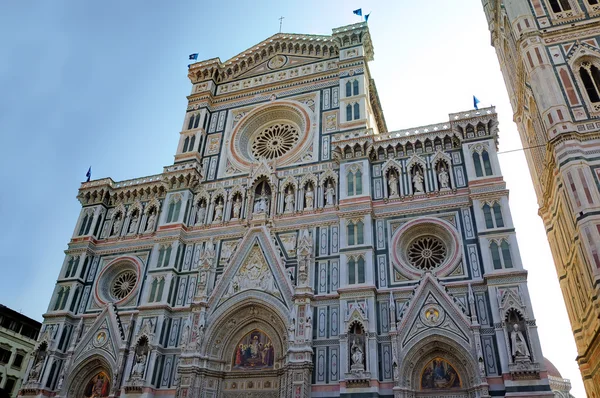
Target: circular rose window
[(274, 141), (426, 252), (118, 281), (123, 284), (425, 244)]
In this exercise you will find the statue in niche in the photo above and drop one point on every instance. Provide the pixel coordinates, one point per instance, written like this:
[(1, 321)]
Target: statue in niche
[(209, 253), (309, 198), (519, 346), (200, 336), (237, 207), (292, 330), (36, 369), (218, 212), (134, 223), (357, 354), (329, 195), (261, 205), (116, 229), (200, 213), (185, 335), (151, 221), (140, 365), (443, 178), (418, 182), (308, 329), (393, 185), (289, 201)]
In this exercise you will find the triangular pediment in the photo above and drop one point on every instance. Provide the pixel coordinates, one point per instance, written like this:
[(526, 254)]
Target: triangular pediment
[(104, 335), (255, 266), (432, 311)]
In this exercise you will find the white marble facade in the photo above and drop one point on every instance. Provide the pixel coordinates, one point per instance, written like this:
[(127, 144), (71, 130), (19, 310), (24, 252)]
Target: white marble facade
[(297, 248)]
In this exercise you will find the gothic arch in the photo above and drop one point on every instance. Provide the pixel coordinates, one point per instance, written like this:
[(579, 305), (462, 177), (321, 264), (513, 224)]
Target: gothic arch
[(423, 351), (85, 369), (243, 313)]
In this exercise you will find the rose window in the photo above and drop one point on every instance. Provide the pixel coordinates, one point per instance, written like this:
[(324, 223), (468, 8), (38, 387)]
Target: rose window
[(123, 284), (426, 253), (275, 141)]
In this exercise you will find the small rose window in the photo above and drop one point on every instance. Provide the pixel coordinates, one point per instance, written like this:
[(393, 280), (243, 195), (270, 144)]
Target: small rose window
[(123, 284), (426, 253)]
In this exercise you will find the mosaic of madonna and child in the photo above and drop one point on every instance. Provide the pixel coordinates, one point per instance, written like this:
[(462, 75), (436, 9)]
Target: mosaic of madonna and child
[(254, 351), (439, 374)]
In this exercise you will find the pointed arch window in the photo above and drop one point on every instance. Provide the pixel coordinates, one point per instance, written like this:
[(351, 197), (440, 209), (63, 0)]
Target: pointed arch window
[(501, 255), (348, 112), (354, 180), (351, 234), (174, 208), (186, 142), (560, 5), (498, 215), (351, 271), (487, 214), (83, 225), (197, 121), (74, 301), (348, 89), (482, 163), (477, 163), (191, 122), (355, 87), (356, 111), (65, 296), (590, 76), (58, 299), (192, 142), (153, 287), (356, 270)]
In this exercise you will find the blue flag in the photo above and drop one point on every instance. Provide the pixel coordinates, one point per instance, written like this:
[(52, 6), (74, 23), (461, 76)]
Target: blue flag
[(475, 102), (358, 12), (89, 174), (194, 56), (367, 17)]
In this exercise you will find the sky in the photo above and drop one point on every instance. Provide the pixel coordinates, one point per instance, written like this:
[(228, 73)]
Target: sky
[(104, 84)]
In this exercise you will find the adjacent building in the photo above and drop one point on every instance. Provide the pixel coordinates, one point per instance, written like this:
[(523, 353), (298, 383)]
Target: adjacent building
[(18, 335), (550, 57), (297, 247)]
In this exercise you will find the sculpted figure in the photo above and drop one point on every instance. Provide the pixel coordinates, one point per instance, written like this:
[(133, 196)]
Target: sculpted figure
[(134, 223), (289, 201), (237, 206), (151, 222), (116, 230), (357, 352), (519, 346), (329, 195), (309, 198), (418, 182), (393, 185), (219, 212), (443, 178), (140, 365), (200, 214)]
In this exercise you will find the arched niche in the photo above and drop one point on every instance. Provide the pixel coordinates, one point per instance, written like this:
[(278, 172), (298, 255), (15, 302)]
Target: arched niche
[(91, 378)]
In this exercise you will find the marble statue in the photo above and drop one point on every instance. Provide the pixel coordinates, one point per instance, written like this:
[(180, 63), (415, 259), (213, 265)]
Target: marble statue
[(133, 224), (140, 365), (418, 182), (200, 214), (443, 179), (289, 201), (218, 212), (151, 222), (357, 353), (237, 207), (519, 346), (393, 185), (309, 198), (329, 195)]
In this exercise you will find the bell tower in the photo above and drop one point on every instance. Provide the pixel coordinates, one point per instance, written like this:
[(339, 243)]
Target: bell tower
[(550, 58)]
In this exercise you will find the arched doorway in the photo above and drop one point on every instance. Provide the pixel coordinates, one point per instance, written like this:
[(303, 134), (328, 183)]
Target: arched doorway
[(92, 378), (439, 366)]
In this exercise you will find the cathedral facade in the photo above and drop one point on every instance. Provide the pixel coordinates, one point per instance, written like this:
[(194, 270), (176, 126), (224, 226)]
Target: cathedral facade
[(297, 248), (550, 57)]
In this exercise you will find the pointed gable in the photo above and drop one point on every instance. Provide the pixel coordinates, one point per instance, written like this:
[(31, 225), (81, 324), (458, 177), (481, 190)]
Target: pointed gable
[(105, 336), (256, 265), (432, 310)]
